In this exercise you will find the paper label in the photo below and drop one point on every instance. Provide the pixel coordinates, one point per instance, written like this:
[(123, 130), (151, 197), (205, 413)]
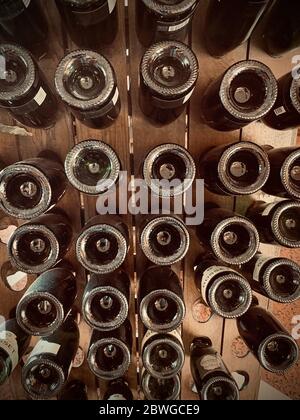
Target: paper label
[(211, 362), (117, 397), (111, 5), (258, 266), (174, 28), (149, 334), (45, 347), (208, 275), (26, 2), (40, 96), (268, 209), (8, 342), (115, 97), (280, 111)]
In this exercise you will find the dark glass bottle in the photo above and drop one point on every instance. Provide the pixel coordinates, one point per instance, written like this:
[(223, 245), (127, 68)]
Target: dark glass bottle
[(73, 391), (161, 301), (13, 344), (285, 114), (232, 238), (106, 300), (86, 83), (118, 390), (24, 91), (235, 169), (23, 21), (270, 343), (47, 302), (103, 244), (90, 23), (47, 369), (245, 93), (278, 223), (212, 378), (92, 167), (165, 240), (32, 187), (168, 75), (224, 290), (284, 180), (163, 354), (169, 170), (109, 354), (39, 245), (159, 21), (276, 278), (230, 23), (156, 389), (281, 31)]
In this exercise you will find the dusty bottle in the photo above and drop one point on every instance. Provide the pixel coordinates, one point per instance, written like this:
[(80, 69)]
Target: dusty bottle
[(235, 169), (160, 389), (168, 75), (118, 390), (86, 82), (73, 391), (245, 93), (24, 91)]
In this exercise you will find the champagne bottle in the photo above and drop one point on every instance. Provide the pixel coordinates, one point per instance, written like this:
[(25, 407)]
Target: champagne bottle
[(212, 378), (47, 302), (106, 300), (47, 369), (168, 75), (73, 391), (161, 301), (86, 83), (269, 342), (13, 344), (118, 390), (160, 389), (245, 93)]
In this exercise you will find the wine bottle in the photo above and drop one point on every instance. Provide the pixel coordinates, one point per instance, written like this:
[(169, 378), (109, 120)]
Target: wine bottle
[(91, 23), (165, 240), (24, 22), (39, 245), (118, 390), (274, 277), (106, 300), (86, 83), (269, 342), (285, 114), (223, 289), (163, 354), (157, 21), (103, 244), (92, 167), (161, 301), (281, 30), (278, 223), (32, 187), (235, 169), (230, 23), (212, 378), (13, 344), (284, 180), (160, 389), (232, 238), (24, 91), (169, 170), (73, 391), (47, 302), (109, 354), (245, 93), (48, 366), (168, 75)]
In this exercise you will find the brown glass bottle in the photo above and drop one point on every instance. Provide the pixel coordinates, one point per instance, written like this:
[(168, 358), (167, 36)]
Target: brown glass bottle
[(270, 343), (212, 378), (232, 238), (24, 91), (155, 389), (285, 114), (235, 169), (118, 390), (245, 93), (90, 23), (40, 244), (73, 391), (168, 76), (278, 223), (159, 21), (86, 83)]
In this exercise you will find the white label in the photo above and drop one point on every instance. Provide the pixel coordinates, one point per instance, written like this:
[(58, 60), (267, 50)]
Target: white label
[(280, 111), (45, 347), (258, 266), (208, 275), (210, 362), (8, 342), (111, 5), (150, 334), (26, 2), (40, 96), (179, 26), (117, 397), (115, 97), (188, 96), (268, 209)]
